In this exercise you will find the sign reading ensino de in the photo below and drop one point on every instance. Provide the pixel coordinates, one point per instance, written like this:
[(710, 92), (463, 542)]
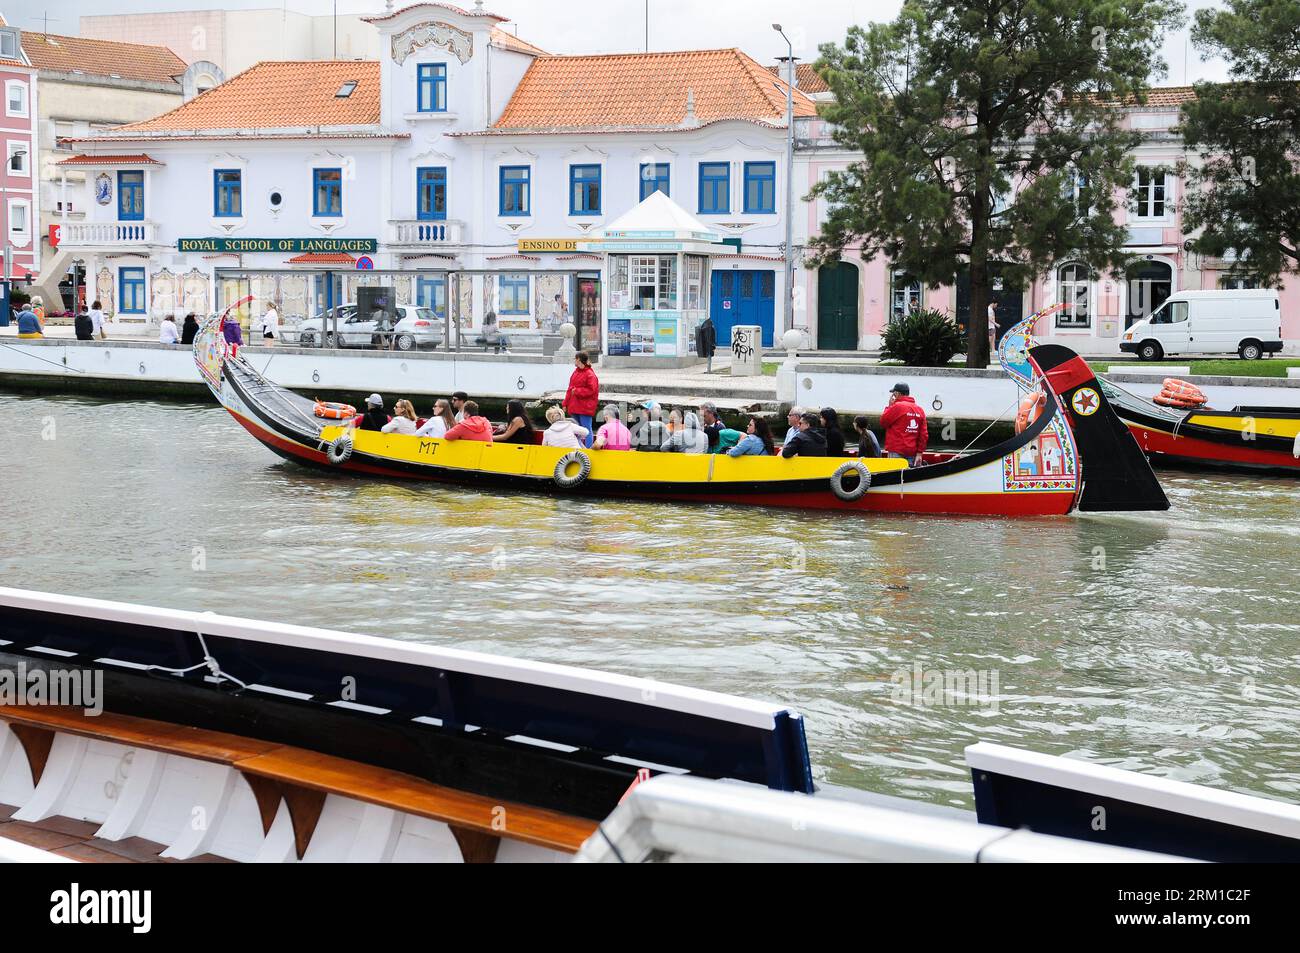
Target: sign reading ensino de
[(295, 246)]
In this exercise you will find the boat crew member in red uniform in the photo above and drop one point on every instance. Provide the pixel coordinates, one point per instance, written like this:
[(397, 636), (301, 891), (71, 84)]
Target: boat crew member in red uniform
[(583, 395), (906, 432)]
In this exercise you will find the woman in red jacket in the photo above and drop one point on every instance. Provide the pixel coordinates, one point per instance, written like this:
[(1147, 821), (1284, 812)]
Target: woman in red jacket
[(583, 395)]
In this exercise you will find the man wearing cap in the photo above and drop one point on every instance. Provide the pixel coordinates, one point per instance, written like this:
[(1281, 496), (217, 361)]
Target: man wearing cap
[(906, 432), (374, 418)]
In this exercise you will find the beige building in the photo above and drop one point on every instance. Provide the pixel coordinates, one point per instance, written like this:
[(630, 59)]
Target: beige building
[(236, 39), (88, 86)]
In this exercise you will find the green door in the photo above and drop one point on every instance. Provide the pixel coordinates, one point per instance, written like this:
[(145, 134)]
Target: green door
[(837, 307)]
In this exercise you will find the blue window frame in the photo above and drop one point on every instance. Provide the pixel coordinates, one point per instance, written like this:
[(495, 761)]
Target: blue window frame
[(431, 293), (327, 193), (514, 294), (227, 193), (130, 196), (760, 188), (130, 291), (584, 190), (516, 189), (431, 193), (654, 178), (432, 88), (715, 188)]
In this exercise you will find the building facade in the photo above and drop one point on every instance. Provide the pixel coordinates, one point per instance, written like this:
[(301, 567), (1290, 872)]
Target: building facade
[(87, 86), (19, 214), (461, 150), (847, 306)]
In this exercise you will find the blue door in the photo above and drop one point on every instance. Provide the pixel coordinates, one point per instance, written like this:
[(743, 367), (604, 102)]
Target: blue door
[(743, 297)]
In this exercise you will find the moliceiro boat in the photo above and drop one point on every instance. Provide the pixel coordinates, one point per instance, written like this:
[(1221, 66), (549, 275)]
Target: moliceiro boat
[(200, 737), (1182, 430), (1075, 454)]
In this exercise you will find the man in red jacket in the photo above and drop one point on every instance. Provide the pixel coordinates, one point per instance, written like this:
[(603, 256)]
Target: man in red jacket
[(906, 432), (583, 395)]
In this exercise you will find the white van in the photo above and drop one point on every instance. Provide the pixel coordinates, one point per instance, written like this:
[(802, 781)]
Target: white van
[(1209, 322)]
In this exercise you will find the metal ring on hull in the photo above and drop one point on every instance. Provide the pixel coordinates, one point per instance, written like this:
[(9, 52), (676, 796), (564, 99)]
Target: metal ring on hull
[(339, 450), (566, 482), (859, 491)]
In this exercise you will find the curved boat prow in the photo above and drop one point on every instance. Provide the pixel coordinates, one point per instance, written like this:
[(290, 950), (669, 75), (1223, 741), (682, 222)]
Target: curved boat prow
[(1117, 474)]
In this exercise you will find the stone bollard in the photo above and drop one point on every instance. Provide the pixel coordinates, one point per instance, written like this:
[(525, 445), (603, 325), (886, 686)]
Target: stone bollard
[(746, 351), (787, 375), (565, 352)]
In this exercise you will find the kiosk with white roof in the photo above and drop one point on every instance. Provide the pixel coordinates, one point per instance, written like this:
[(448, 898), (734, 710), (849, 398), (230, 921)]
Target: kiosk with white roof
[(656, 277)]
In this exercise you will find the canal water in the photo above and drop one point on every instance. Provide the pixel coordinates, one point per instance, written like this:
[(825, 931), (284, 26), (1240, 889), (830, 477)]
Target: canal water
[(1167, 643)]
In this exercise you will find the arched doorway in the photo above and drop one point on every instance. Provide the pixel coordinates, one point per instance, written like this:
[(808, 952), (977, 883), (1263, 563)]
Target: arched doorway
[(837, 307), (1149, 283)]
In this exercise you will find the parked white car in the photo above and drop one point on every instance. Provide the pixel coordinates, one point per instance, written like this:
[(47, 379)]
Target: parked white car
[(415, 328), (1209, 322)]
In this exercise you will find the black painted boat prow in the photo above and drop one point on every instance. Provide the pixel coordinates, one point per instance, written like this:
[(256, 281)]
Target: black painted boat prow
[(1118, 476)]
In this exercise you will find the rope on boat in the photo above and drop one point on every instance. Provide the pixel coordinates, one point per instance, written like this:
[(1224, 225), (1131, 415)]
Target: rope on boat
[(62, 367), (997, 419), (209, 662)]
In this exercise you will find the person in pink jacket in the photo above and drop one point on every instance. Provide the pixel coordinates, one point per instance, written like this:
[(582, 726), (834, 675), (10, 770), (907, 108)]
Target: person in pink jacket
[(613, 434), (472, 427), (583, 395)]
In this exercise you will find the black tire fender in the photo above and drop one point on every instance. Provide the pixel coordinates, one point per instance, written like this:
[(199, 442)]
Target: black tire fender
[(561, 477), (859, 491), (339, 450)]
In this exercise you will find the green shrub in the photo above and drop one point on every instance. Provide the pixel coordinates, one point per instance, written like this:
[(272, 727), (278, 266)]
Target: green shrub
[(923, 339)]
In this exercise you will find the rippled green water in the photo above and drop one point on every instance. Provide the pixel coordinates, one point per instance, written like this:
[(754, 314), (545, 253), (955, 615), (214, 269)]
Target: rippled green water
[(1168, 643)]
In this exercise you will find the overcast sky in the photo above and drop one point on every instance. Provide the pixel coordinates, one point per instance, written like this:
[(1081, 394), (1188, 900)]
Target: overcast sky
[(610, 26)]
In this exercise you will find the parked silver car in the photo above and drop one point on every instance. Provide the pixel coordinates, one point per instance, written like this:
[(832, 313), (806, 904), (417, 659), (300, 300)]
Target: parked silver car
[(415, 328)]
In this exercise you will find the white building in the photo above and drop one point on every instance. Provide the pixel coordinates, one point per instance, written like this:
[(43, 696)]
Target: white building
[(462, 148)]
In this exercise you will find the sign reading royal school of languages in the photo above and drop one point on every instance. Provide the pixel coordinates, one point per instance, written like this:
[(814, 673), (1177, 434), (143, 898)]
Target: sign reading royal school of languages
[(295, 246)]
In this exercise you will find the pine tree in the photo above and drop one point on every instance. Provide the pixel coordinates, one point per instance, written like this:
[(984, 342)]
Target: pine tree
[(991, 137)]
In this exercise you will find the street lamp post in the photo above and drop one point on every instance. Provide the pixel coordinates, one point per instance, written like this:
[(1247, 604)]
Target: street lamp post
[(788, 308)]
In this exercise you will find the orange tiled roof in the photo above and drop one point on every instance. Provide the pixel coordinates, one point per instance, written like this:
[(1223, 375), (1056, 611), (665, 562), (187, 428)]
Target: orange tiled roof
[(435, 7), (1167, 96), (18, 63), (646, 90), (75, 54), (140, 159), (278, 95), (512, 42), (805, 78)]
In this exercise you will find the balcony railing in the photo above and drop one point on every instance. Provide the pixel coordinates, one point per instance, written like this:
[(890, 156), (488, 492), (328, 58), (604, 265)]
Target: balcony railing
[(425, 233), (107, 233)]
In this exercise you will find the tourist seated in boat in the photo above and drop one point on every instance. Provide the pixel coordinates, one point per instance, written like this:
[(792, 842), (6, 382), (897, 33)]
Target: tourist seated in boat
[(649, 435), (613, 434), (808, 442), (868, 445), (757, 440), (403, 419), (906, 431), (830, 427), (687, 436), (471, 426), (711, 424), (518, 427), (792, 423), (374, 418), (727, 440), (458, 405), (562, 431), (442, 420), (29, 325)]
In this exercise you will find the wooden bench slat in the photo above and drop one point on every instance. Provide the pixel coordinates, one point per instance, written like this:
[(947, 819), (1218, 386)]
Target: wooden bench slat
[(312, 770), (412, 795)]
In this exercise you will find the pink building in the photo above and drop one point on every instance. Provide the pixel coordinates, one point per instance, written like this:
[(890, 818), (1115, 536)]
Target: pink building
[(847, 306), (18, 210)]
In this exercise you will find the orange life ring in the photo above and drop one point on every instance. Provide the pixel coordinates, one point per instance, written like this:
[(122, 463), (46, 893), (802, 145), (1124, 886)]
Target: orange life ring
[(1174, 389), (1031, 408), (334, 411), (1178, 402)]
